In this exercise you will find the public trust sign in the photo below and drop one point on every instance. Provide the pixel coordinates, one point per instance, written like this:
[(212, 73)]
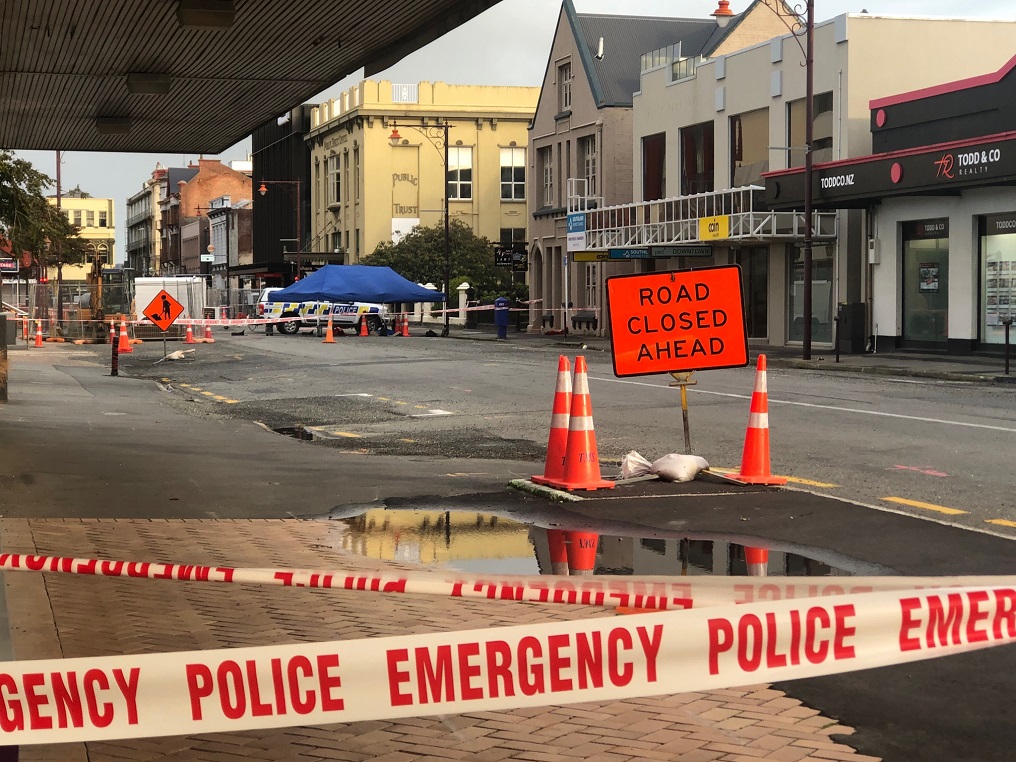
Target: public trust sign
[(942, 167), (670, 322)]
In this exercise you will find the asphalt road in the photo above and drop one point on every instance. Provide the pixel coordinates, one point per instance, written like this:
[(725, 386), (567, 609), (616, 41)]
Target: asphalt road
[(942, 448)]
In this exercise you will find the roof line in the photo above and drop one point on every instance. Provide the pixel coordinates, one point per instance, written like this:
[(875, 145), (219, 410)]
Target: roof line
[(587, 64), (948, 87)]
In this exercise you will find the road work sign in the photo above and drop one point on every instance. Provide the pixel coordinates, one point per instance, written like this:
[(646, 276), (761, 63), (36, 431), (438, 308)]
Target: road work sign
[(163, 310), (677, 321)]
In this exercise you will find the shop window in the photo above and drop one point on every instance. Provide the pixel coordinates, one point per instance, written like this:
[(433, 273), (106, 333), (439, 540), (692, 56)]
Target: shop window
[(998, 275), (754, 263), (822, 269)]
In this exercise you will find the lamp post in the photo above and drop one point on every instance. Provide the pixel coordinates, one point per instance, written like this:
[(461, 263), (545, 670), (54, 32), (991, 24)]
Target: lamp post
[(438, 137), (289, 184), (798, 28)]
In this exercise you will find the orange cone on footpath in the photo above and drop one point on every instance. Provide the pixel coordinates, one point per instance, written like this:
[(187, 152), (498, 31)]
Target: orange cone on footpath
[(581, 461), (755, 457), (38, 333), (124, 347), (189, 338), (582, 552), (208, 334), (329, 333), (363, 327), (405, 325), (558, 542), (757, 560), (557, 443)]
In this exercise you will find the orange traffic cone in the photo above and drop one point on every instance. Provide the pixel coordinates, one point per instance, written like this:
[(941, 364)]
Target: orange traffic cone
[(124, 347), (581, 462), (757, 560), (329, 335), (208, 334), (557, 443), (405, 325), (24, 329), (363, 327), (38, 333), (755, 457), (582, 552), (189, 338), (557, 541)]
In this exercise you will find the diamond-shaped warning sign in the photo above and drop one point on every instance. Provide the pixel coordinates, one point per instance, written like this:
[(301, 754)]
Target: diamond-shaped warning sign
[(163, 310)]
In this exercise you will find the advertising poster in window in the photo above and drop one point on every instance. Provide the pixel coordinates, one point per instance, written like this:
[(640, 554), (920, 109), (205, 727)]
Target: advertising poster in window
[(999, 247), (929, 278)]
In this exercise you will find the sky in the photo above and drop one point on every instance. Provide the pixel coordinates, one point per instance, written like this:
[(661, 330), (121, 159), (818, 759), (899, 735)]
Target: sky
[(465, 56)]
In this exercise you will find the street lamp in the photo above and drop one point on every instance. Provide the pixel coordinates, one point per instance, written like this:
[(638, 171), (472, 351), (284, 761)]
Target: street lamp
[(798, 28), (438, 137), (289, 184)]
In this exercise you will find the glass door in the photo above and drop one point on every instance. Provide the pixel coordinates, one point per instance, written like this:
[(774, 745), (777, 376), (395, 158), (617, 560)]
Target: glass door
[(926, 281), (754, 263)]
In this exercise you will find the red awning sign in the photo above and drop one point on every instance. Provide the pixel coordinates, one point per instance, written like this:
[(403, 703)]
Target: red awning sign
[(677, 321)]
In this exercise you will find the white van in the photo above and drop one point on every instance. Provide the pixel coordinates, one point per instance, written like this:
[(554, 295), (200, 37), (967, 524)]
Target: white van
[(312, 314)]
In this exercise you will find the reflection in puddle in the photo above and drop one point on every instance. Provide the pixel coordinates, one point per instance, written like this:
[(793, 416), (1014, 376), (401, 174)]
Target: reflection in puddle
[(489, 544)]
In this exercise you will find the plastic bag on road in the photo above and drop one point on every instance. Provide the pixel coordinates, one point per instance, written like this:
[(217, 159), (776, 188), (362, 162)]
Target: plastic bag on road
[(673, 467)]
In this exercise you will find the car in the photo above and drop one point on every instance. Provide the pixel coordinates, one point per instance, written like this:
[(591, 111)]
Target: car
[(313, 314)]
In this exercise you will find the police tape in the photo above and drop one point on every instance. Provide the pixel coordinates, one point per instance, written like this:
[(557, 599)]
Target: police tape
[(599, 659), (642, 592)]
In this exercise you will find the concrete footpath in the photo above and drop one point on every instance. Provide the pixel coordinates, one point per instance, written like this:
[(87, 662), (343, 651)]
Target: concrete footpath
[(73, 441)]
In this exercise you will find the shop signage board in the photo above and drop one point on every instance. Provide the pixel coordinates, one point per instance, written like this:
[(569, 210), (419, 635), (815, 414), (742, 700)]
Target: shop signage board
[(714, 228), (8, 265), (659, 252), (677, 321), (591, 256), (576, 231), (163, 310), (502, 256)]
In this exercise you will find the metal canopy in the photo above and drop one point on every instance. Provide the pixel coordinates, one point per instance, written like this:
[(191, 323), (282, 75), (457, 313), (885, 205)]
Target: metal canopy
[(159, 76)]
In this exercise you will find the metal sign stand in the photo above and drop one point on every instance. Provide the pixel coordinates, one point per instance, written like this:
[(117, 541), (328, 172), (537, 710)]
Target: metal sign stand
[(684, 380)]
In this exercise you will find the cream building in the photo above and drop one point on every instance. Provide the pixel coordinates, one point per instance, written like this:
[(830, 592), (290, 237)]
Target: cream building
[(741, 114), (93, 217), (367, 188)]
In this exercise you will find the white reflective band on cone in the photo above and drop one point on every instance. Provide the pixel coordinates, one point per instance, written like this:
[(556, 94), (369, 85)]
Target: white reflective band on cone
[(580, 423), (758, 420), (601, 659), (559, 420)]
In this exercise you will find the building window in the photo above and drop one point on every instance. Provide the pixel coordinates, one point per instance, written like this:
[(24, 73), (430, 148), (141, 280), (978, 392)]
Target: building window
[(749, 148), (587, 160), (697, 159), (822, 130), (77, 218), (998, 275), (546, 158), (564, 80), (334, 180), (654, 166), (513, 174), (460, 173), (103, 223), (356, 174), (89, 219), (345, 177), (357, 250), (510, 236), (336, 241)]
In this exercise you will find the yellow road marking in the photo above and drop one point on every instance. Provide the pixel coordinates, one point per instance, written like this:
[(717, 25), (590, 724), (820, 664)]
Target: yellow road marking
[(794, 479), (1001, 522), (926, 506), (185, 386), (386, 399), (347, 434), (400, 402), (410, 441), (208, 394), (420, 407), (166, 380), (232, 402)]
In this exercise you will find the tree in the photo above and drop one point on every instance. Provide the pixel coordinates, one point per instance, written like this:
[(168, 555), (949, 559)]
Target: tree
[(29, 221), (419, 256)]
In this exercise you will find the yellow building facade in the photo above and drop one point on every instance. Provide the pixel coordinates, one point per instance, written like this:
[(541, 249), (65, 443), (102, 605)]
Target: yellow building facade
[(93, 217), (368, 188)]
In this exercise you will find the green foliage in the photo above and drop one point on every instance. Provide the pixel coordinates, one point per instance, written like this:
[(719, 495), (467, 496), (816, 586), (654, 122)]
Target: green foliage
[(28, 220), (419, 256)]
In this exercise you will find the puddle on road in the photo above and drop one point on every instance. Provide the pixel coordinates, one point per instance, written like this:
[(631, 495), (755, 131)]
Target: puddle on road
[(297, 432), (484, 543)]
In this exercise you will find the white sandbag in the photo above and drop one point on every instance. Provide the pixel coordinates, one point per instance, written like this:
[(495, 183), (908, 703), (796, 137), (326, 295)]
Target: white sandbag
[(633, 465), (678, 468)]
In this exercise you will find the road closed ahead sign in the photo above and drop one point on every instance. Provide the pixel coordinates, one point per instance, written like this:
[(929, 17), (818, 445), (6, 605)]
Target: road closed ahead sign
[(677, 321)]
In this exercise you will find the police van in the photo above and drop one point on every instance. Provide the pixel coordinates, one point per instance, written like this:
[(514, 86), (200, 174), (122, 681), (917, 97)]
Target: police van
[(313, 314)]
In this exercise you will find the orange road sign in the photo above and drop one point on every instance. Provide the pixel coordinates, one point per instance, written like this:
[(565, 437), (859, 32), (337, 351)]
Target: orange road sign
[(677, 321), (163, 310)]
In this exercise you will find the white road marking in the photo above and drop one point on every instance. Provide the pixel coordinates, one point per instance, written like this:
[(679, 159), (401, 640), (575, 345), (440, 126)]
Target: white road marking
[(432, 413), (838, 409)]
